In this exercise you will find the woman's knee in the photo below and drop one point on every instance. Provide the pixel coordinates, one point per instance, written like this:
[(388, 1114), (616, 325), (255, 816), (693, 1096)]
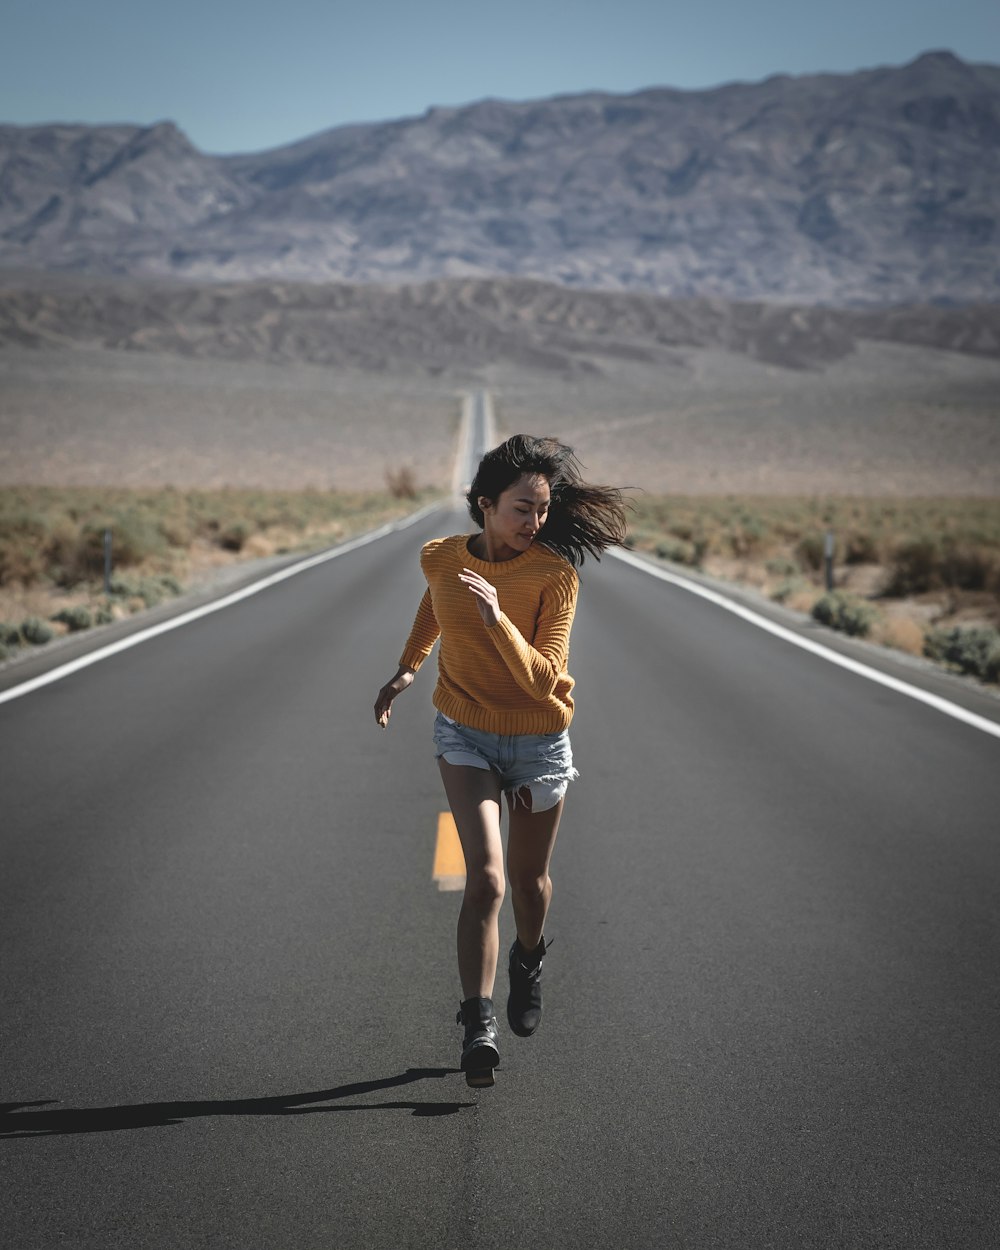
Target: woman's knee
[(528, 885), (484, 888)]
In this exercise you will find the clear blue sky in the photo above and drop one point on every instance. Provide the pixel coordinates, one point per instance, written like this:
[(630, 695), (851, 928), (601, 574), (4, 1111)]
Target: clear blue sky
[(258, 73)]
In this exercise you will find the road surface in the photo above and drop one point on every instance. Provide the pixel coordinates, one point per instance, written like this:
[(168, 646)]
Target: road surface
[(229, 983)]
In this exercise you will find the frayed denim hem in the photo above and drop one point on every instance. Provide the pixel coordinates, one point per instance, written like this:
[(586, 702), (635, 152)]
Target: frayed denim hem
[(545, 792)]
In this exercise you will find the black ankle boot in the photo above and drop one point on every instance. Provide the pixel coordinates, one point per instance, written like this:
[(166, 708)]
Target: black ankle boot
[(480, 1046), (524, 1003)]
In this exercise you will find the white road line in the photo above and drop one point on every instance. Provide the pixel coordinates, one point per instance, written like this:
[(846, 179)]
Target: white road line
[(807, 644), (133, 640), (489, 431), (459, 475)]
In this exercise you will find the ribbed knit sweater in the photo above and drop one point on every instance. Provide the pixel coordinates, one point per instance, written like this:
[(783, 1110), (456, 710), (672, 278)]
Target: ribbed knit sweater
[(509, 678)]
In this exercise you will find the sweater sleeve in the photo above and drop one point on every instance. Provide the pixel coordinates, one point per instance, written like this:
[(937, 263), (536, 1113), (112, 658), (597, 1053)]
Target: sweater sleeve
[(423, 634), (537, 666)]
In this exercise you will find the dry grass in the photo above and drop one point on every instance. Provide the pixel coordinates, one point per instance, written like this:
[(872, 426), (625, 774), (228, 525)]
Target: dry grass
[(867, 530), (401, 482), (51, 540), (922, 564), (902, 633)]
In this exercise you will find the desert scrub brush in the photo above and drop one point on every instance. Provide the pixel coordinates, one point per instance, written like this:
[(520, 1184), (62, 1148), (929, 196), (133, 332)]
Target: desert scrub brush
[(845, 613)]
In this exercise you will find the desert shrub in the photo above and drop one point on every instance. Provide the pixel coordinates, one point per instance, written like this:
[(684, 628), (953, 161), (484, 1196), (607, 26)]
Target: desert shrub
[(23, 521), (62, 554), (402, 482), (809, 552), (22, 562), (845, 613), (975, 651), (790, 586), (36, 631), (122, 587), (177, 529), (5, 652), (76, 618), (51, 535), (10, 635), (860, 548), (77, 554), (966, 568), (913, 569), (747, 535), (103, 615), (781, 566), (22, 547), (135, 537), (903, 634), (640, 539), (677, 550), (151, 590), (233, 537)]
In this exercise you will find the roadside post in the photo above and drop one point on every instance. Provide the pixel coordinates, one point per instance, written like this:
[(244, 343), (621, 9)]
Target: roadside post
[(828, 558), (107, 562)]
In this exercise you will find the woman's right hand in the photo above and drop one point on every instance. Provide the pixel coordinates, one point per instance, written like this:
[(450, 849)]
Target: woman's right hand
[(383, 704)]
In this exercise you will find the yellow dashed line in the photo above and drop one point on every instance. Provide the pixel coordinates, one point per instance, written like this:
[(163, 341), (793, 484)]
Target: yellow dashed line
[(449, 862)]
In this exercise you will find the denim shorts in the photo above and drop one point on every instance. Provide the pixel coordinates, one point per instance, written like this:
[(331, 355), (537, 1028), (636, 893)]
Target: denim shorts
[(542, 762)]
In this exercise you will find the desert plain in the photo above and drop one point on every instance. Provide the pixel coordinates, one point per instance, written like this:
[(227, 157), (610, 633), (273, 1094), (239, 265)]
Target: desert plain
[(295, 386), (271, 388)]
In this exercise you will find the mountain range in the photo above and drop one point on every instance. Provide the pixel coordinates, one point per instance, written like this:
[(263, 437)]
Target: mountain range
[(457, 326), (870, 189)]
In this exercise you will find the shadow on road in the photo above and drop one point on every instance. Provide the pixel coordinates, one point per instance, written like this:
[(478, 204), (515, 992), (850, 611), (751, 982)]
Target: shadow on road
[(17, 1119)]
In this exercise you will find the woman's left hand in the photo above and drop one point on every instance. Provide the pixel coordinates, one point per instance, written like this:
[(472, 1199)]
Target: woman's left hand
[(486, 596)]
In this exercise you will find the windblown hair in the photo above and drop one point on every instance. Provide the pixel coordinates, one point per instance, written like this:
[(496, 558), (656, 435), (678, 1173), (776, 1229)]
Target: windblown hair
[(583, 519)]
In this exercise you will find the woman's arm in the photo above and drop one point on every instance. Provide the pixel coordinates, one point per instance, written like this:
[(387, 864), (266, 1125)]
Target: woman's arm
[(535, 666), (383, 704), (418, 647), (423, 635)]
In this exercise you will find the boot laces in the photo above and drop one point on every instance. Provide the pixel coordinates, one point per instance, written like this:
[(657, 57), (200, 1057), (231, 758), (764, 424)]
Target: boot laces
[(532, 973)]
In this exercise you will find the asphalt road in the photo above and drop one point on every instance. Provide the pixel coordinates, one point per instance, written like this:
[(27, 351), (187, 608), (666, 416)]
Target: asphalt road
[(229, 984)]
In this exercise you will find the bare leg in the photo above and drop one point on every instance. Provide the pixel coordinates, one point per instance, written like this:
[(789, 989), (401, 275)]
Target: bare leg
[(529, 850), (474, 798)]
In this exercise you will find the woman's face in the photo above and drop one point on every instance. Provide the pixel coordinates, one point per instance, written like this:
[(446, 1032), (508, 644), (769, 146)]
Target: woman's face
[(519, 513)]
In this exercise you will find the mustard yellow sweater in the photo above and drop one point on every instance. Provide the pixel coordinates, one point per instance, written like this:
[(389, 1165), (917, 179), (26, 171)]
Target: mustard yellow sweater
[(510, 678)]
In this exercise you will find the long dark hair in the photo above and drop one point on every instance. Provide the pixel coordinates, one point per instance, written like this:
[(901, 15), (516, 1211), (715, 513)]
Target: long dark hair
[(582, 520)]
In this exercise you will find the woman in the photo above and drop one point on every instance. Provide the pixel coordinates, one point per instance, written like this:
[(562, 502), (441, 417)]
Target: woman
[(502, 602)]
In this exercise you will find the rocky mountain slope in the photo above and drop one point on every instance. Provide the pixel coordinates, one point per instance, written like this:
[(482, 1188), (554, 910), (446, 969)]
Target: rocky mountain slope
[(453, 326), (878, 187)]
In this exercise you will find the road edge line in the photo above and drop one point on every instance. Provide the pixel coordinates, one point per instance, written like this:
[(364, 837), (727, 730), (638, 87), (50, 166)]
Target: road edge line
[(816, 648), (194, 614), (462, 448)]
